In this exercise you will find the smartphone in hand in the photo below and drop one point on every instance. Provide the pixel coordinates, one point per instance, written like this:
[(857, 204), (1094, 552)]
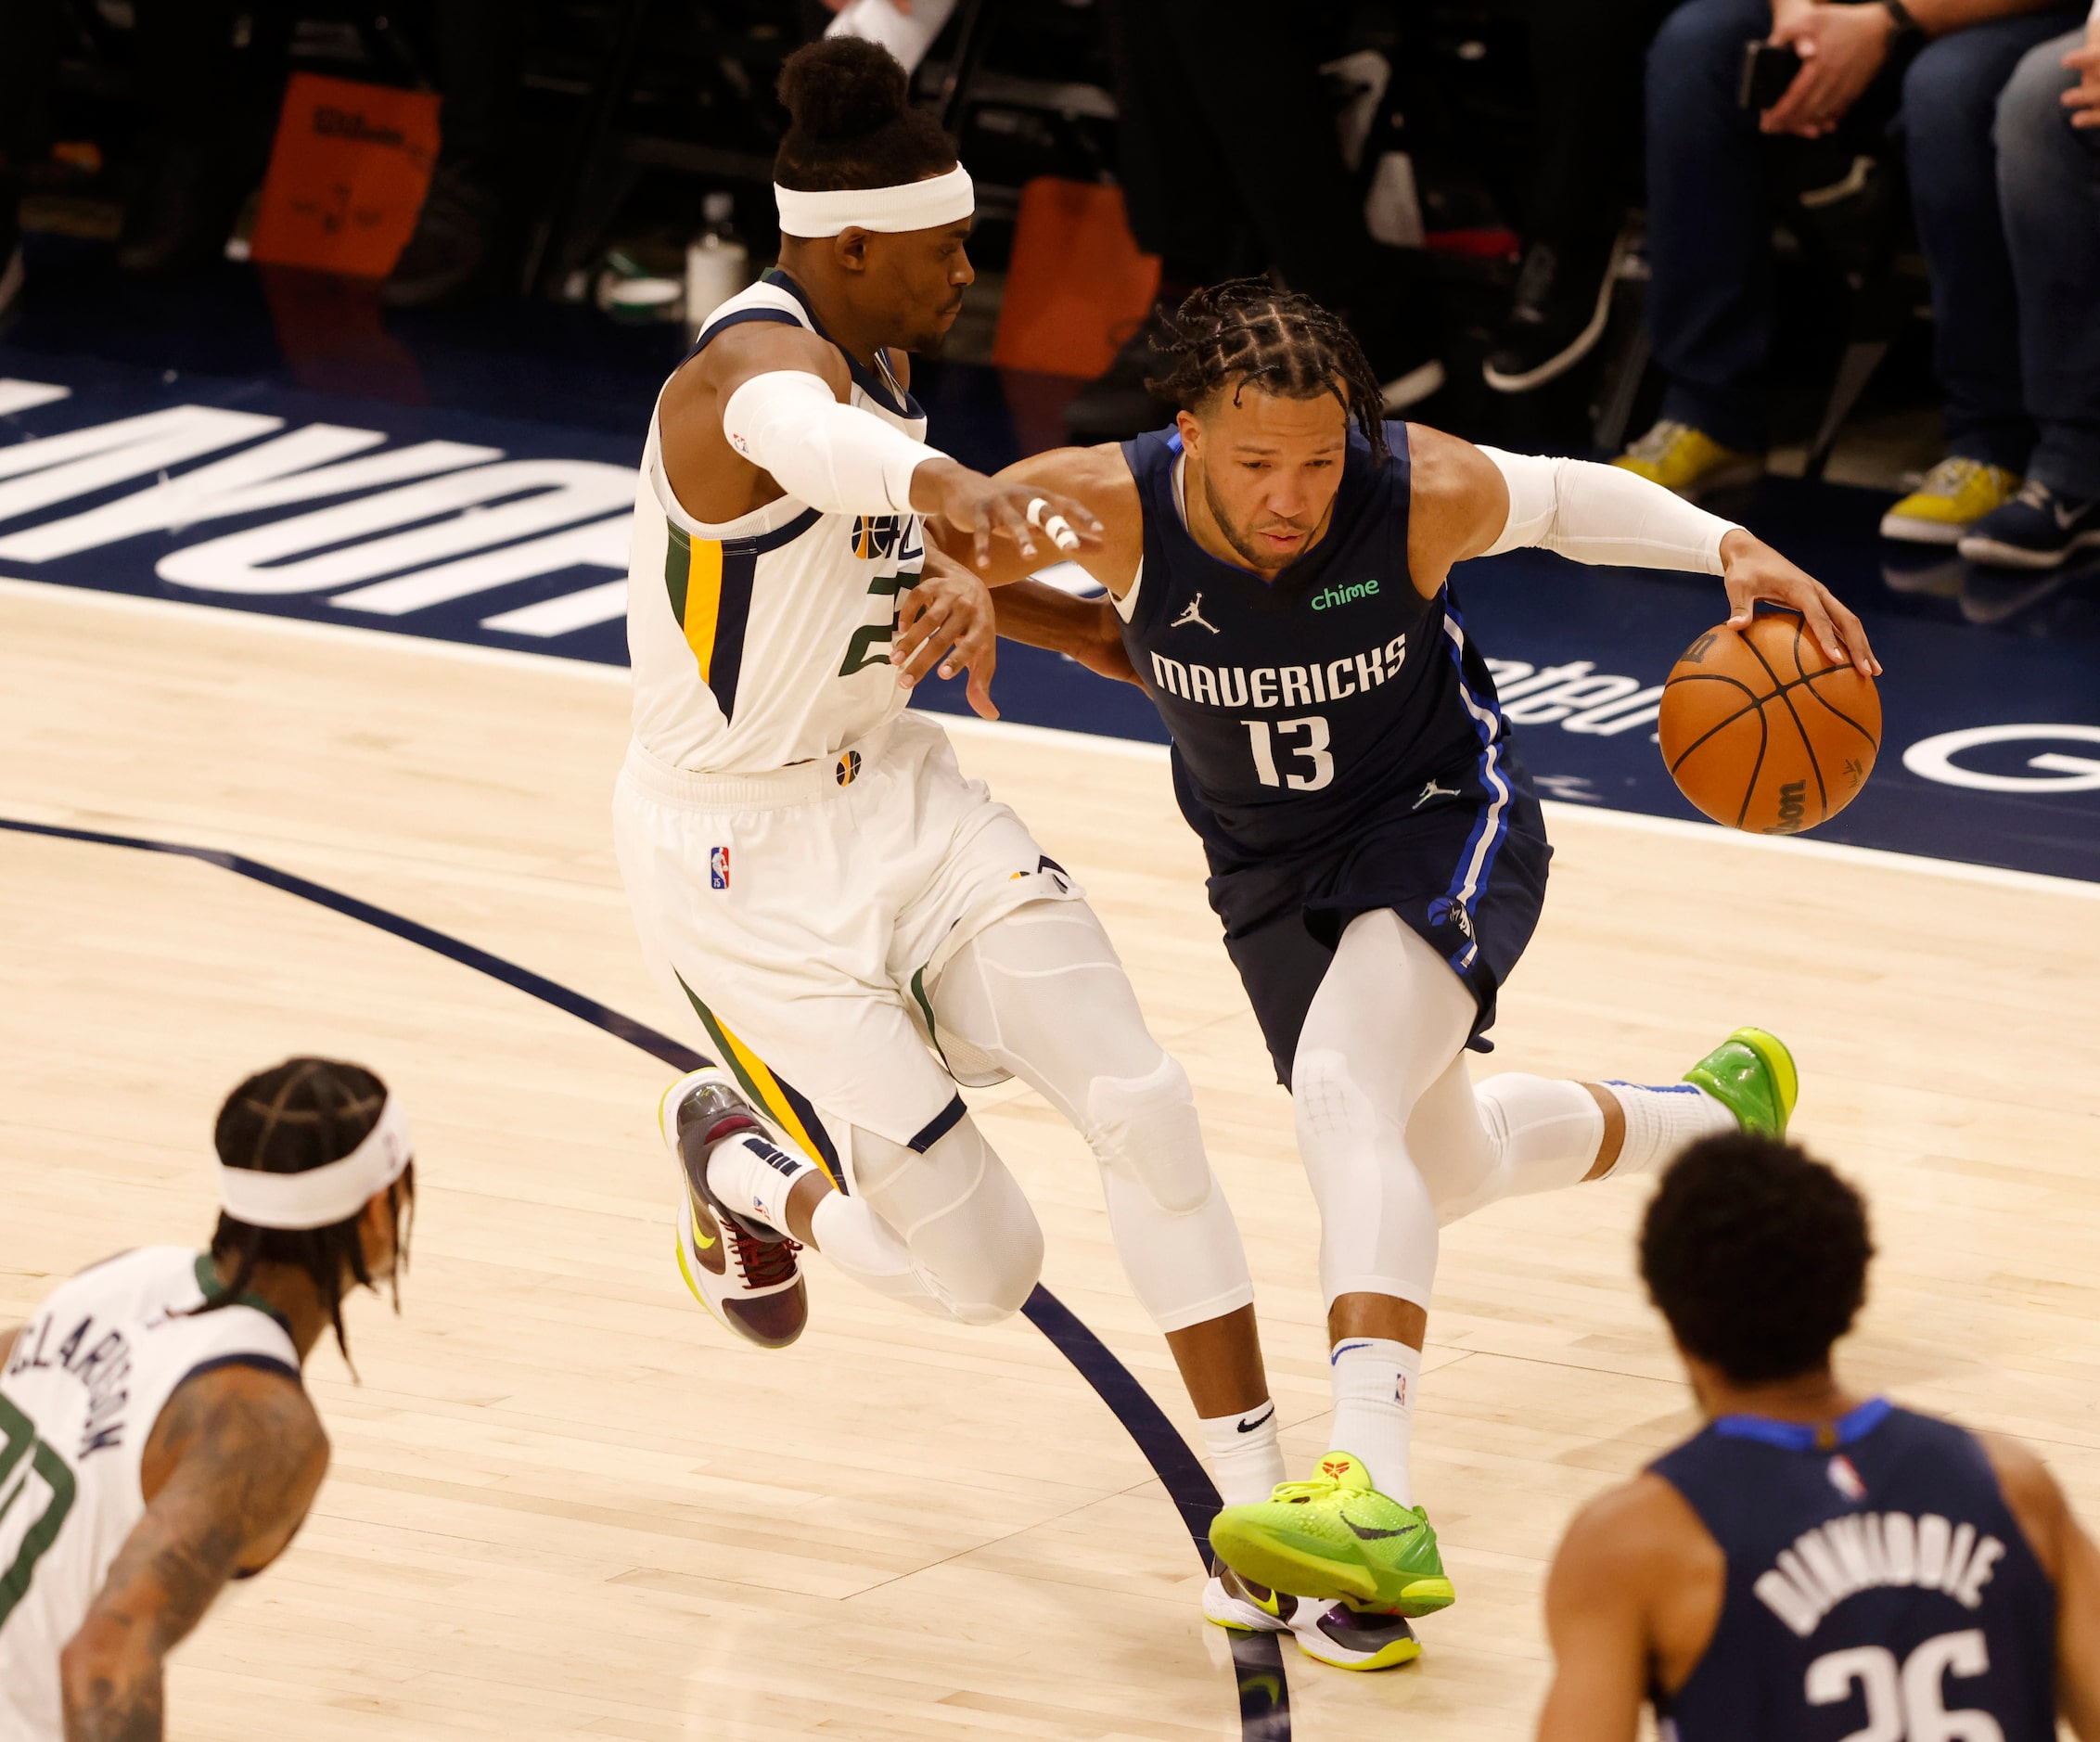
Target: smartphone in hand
[(1768, 70)]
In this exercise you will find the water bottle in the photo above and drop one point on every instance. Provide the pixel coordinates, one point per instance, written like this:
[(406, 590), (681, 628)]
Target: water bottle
[(717, 263)]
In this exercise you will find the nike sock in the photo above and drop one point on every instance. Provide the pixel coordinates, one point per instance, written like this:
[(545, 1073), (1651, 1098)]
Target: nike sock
[(1374, 1380), (1245, 1461), (754, 1176), (1660, 1120)]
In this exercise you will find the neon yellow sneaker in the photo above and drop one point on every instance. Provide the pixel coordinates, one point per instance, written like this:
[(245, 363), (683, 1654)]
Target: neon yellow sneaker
[(1949, 500), (1337, 1536), (1688, 461), (1751, 1074)]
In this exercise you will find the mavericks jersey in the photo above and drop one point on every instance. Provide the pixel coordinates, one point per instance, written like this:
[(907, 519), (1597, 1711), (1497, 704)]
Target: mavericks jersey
[(765, 640), (81, 1391), (1299, 710), (1878, 1585)]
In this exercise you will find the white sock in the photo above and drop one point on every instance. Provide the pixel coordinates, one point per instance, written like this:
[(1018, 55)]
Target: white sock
[(754, 1177), (1245, 1461), (1375, 1379), (1662, 1119)]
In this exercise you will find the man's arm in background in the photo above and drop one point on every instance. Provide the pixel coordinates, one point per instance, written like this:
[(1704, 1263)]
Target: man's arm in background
[(2038, 1505)]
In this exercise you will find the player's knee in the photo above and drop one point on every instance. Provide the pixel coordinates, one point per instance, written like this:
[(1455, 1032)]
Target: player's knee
[(995, 1284), (1145, 1129)]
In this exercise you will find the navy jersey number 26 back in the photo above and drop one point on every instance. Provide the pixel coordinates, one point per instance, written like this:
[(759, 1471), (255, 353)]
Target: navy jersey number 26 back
[(1879, 1589)]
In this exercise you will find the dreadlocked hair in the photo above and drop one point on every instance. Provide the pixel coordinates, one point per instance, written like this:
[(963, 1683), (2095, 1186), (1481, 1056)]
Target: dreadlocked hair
[(852, 124), (1247, 333), (304, 1114)]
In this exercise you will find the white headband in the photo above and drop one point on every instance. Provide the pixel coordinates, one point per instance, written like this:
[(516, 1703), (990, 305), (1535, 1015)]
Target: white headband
[(324, 1196), (911, 206)]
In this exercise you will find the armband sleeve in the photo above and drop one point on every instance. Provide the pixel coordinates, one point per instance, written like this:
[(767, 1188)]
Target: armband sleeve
[(838, 458), (1604, 514)]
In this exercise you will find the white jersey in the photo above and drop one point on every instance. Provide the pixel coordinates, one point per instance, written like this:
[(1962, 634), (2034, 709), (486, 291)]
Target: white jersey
[(81, 1389), (764, 641)]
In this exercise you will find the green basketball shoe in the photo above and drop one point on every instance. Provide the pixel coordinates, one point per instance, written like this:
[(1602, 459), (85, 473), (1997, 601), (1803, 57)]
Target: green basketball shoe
[(1751, 1074), (1337, 1536)]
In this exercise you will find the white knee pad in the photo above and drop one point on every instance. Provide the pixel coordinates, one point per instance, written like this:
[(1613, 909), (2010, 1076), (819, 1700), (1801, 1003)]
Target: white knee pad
[(973, 1237), (1146, 1128), (1377, 1222)]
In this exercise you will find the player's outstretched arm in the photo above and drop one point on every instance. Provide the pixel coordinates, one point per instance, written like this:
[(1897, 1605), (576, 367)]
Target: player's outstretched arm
[(1596, 1630), (1098, 481), (2068, 1556), (1471, 501), (230, 1469)]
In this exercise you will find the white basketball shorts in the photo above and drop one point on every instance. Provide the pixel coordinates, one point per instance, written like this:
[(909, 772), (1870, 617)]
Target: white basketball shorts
[(808, 911)]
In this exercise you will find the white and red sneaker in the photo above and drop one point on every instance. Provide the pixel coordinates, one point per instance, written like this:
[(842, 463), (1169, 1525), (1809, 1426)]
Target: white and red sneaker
[(742, 1271)]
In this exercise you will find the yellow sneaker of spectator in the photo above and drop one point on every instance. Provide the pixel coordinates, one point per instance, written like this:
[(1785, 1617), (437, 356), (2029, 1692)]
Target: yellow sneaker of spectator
[(1950, 499), (1688, 461)]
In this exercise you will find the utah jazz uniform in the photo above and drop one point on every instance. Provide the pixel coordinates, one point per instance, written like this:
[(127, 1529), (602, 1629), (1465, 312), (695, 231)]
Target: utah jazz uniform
[(1336, 743), (80, 1393), (803, 855), (1877, 1586)]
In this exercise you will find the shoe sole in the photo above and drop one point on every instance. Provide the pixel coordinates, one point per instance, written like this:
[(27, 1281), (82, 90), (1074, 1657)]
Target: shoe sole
[(1990, 552), (1577, 348), (1386, 1658), (1906, 531), (1279, 1566)]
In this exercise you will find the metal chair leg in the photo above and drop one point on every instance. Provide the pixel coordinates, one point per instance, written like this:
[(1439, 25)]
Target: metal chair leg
[(1855, 369)]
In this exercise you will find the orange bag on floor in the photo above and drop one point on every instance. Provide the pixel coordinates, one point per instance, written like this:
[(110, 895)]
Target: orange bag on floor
[(347, 175), (1077, 288)]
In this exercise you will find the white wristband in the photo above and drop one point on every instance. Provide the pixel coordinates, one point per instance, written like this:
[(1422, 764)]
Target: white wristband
[(1604, 514), (837, 458)]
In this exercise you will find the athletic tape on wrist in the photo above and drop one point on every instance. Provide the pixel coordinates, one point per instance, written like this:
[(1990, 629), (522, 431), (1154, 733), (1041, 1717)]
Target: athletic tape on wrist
[(908, 206), (324, 1196)]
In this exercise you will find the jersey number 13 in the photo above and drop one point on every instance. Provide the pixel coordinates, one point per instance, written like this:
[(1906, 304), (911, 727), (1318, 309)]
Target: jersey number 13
[(1267, 744)]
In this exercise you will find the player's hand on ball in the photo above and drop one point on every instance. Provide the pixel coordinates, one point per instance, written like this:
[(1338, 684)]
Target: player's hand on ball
[(948, 622), (1754, 571), (1040, 522)]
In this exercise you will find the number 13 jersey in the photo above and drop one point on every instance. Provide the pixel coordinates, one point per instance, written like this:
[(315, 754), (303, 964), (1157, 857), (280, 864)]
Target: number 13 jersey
[(764, 641), (1298, 710)]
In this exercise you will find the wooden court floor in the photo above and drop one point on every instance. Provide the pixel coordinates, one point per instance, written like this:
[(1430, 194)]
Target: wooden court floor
[(563, 1504)]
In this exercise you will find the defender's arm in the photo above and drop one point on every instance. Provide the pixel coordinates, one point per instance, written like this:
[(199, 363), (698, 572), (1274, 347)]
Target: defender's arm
[(1478, 502), (230, 1468), (1099, 481)]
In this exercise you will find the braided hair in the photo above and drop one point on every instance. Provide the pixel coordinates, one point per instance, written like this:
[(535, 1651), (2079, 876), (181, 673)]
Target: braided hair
[(302, 1114), (851, 121), (1247, 333)]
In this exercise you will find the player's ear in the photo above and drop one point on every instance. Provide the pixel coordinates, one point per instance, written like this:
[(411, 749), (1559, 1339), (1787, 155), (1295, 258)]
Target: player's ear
[(1191, 431), (850, 249)]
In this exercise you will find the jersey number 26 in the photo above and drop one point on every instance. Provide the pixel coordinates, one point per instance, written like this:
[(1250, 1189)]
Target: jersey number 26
[(1907, 1702)]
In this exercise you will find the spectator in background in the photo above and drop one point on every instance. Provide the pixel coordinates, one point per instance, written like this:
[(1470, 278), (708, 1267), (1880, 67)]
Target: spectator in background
[(2049, 190), (1229, 165), (1941, 64), (1586, 79)]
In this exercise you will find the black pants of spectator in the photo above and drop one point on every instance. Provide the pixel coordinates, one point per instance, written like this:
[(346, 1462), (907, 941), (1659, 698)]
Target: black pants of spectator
[(1230, 164), (1588, 57), (29, 53)]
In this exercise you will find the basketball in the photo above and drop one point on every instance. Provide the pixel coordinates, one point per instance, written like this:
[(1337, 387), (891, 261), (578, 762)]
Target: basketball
[(1764, 731)]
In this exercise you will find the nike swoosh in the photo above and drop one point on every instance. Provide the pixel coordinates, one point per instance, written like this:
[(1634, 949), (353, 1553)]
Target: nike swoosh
[(1369, 1535), (704, 1241), (1249, 1427)]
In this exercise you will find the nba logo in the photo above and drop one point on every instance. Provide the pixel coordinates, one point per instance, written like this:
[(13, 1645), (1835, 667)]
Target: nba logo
[(718, 867)]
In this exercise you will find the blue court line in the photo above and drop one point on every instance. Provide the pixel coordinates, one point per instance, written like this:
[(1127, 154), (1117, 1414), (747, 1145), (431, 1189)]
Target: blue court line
[(1264, 1692)]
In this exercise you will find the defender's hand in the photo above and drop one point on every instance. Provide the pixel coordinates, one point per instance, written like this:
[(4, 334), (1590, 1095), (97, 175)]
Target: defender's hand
[(983, 509), (1754, 571), (948, 621)]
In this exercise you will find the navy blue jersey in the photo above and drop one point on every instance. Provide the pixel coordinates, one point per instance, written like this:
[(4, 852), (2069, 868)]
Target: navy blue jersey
[(1336, 743), (1301, 706), (1877, 1586)]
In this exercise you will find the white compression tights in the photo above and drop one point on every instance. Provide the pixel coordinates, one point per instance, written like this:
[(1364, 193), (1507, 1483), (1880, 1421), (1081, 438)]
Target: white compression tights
[(1040, 993), (1396, 1140)]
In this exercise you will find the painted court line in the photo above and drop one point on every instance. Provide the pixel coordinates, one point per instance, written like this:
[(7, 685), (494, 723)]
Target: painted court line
[(1264, 1692), (1076, 743)]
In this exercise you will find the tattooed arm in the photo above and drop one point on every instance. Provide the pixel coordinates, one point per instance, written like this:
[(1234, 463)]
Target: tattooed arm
[(228, 1472)]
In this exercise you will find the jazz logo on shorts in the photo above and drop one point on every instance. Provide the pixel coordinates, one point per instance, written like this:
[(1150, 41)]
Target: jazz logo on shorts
[(848, 768), (718, 867)]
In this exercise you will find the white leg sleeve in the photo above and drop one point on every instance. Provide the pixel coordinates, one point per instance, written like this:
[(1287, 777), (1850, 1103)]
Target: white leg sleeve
[(1042, 993), (974, 1246), (1513, 1136), (1388, 1020)]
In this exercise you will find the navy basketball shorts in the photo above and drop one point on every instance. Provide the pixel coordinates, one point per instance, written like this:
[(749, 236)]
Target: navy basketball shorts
[(1466, 871)]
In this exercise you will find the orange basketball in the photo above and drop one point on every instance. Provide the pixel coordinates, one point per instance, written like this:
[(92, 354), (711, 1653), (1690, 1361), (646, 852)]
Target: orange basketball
[(1763, 732)]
